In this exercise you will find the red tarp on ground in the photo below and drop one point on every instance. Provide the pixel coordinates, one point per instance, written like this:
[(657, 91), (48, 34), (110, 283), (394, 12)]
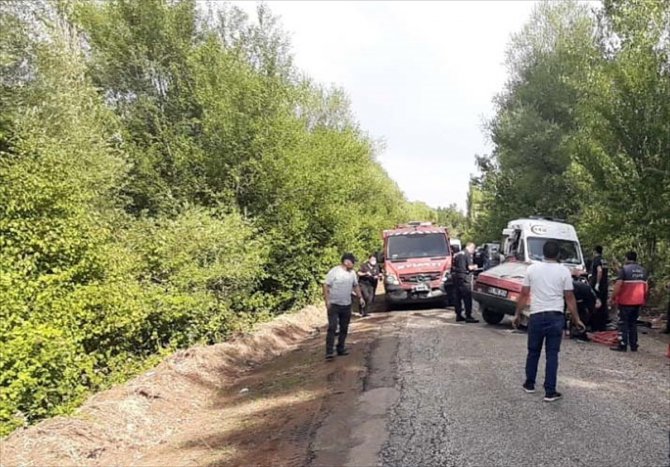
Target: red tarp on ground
[(605, 337)]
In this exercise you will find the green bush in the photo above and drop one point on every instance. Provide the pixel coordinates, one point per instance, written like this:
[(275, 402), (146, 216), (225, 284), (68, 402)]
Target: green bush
[(165, 179)]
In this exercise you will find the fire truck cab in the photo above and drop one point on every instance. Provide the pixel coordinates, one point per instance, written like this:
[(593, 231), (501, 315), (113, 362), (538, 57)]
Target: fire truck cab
[(417, 264)]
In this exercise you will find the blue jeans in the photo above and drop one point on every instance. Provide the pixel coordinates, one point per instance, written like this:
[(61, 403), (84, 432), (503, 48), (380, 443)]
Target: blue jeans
[(544, 327)]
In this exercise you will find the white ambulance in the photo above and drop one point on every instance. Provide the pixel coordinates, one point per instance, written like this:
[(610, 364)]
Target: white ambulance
[(497, 290), (523, 240)]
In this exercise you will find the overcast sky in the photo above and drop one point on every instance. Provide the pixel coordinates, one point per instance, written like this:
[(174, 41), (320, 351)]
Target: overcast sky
[(421, 76)]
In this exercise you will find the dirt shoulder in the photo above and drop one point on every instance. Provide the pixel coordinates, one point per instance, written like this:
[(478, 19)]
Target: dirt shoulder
[(257, 400)]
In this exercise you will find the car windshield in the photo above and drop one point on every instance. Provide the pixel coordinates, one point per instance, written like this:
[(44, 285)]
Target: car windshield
[(568, 250), (417, 246)]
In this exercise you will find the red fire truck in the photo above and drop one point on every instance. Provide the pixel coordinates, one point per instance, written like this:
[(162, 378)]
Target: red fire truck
[(417, 264)]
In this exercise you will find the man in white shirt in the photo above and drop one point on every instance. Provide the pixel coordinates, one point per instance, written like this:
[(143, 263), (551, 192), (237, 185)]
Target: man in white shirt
[(340, 284), (548, 285)]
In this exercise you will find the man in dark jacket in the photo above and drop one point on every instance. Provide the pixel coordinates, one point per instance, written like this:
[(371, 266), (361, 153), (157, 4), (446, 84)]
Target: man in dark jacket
[(600, 283), (630, 294), (586, 305), (368, 277), (462, 269)]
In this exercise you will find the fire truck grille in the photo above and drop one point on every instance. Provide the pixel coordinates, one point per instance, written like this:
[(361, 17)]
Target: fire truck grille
[(423, 277)]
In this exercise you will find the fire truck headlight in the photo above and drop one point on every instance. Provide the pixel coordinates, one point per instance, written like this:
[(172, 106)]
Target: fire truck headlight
[(392, 280)]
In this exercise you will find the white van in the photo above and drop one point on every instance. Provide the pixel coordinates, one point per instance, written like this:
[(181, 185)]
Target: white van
[(523, 240)]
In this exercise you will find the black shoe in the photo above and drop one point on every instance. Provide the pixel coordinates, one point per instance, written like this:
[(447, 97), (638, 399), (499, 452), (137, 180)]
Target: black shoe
[(554, 396), (529, 388), (633, 349), (342, 353), (619, 349), (470, 319), (459, 318), (330, 356)]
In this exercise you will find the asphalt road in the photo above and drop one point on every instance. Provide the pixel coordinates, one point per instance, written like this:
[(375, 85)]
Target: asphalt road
[(447, 394)]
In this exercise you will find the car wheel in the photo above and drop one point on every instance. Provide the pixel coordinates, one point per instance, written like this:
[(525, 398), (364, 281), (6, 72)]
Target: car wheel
[(492, 317)]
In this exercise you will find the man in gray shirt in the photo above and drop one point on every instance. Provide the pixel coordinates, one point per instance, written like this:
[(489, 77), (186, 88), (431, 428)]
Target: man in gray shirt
[(340, 284)]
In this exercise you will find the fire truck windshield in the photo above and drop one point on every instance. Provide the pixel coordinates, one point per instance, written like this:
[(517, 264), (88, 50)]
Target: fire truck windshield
[(417, 246), (568, 250)]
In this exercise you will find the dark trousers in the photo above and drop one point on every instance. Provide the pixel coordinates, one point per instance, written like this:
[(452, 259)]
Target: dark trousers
[(337, 314), (544, 328), (601, 315), (628, 325), (368, 290), (462, 293)]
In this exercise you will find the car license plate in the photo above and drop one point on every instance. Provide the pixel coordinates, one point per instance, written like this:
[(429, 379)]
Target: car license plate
[(421, 288), (497, 292)]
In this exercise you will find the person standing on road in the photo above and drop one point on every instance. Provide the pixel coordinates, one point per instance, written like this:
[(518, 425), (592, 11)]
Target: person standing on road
[(368, 275), (630, 293), (462, 272), (600, 283), (340, 284), (548, 285)]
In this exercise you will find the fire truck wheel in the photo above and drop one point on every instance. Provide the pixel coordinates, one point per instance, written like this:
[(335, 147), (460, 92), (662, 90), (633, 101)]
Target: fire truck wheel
[(491, 316)]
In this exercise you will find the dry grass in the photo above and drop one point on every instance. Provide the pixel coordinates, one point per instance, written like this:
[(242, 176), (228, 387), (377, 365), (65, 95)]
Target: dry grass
[(121, 425)]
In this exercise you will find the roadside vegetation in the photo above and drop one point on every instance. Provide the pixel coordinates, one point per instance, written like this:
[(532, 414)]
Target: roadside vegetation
[(167, 177)]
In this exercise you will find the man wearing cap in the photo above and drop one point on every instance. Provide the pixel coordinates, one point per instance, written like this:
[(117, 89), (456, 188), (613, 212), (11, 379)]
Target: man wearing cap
[(339, 286)]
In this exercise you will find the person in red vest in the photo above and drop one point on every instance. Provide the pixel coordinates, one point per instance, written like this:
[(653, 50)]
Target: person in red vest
[(630, 293)]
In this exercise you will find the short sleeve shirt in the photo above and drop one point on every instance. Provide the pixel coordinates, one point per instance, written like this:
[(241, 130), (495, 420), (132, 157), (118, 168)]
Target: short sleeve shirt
[(462, 263), (548, 283), (341, 284), (598, 261), (585, 296)]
